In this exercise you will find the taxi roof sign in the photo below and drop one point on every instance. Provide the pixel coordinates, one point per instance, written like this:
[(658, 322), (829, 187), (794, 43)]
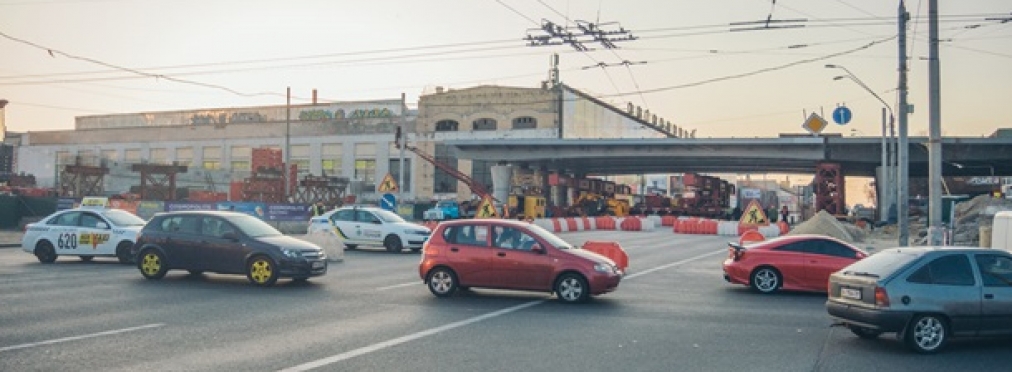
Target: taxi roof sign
[(754, 215), (95, 202), (486, 209), (388, 184), (815, 124)]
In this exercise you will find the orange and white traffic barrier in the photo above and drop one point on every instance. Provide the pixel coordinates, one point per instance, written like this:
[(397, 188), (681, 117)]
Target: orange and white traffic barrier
[(751, 236), (611, 250)]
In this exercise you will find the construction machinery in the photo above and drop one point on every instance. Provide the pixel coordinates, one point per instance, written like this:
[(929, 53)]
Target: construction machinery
[(476, 187), (590, 204), (526, 206)]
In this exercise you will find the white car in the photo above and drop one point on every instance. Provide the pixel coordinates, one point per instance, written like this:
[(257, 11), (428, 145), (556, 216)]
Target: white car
[(372, 226), (85, 232)]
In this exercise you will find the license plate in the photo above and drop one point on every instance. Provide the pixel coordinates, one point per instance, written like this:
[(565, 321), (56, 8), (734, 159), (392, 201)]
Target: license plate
[(851, 293), (318, 265)]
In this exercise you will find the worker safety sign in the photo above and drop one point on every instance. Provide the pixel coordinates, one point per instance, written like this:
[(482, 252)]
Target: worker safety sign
[(388, 184), (486, 209), (754, 215)]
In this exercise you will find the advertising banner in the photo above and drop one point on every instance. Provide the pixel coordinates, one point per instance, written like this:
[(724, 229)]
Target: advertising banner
[(65, 203), (258, 210), (188, 206), (147, 209), (288, 212)]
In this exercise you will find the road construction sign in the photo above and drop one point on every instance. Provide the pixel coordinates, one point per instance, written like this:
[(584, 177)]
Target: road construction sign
[(388, 184), (754, 215), (486, 209)]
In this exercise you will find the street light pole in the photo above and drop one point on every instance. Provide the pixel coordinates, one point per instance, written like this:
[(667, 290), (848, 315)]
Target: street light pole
[(886, 189), (935, 228)]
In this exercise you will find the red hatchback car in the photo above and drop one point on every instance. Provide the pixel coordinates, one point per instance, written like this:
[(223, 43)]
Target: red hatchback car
[(506, 254), (796, 263)]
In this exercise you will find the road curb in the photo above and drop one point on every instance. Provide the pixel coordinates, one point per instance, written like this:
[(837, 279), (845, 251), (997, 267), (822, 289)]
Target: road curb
[(9, 245)]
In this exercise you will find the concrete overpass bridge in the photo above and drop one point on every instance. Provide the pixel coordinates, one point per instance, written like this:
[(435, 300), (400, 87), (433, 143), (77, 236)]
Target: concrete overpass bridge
[(857, 156)]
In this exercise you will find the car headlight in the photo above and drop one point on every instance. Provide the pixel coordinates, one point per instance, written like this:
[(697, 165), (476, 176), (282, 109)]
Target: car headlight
[(291, 253), (604, 268)]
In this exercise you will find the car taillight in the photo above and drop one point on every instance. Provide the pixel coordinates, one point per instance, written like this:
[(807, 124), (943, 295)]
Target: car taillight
[(881, 297)]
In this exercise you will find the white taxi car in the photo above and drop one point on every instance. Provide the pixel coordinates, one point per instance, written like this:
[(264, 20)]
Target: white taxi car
[(357, 225), (88, 231)]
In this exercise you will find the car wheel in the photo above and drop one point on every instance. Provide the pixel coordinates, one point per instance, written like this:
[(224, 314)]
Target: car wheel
[(442, 282), (393, 244), (45, 252), (865, 333), (262, 271), (766, 280), (87, 258), (152, 264), (123, 252), (572, 288), (927, 334), (351, 246)]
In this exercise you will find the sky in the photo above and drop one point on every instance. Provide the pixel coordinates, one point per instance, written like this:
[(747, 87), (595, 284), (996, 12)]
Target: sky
[(689, 64)]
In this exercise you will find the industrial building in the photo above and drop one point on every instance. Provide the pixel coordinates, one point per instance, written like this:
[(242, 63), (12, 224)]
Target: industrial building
[(354, 140)]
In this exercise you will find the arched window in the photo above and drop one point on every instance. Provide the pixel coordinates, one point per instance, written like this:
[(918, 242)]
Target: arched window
[(484, 124), (447, 126), (525, 122)]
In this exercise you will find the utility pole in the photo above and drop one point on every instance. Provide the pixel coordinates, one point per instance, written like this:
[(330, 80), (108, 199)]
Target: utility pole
[(884, 187), (286, 174), (903, 151), (400, 163), (934, 130)]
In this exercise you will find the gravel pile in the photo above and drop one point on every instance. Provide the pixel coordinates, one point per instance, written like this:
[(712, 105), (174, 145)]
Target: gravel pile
[(825, 224), (972, 214)]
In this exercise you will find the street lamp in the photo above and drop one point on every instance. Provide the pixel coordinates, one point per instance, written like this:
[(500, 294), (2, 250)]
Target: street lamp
[(889, 186)]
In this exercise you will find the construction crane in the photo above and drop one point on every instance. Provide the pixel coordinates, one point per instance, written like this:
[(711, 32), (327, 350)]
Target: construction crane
[(476, 187)]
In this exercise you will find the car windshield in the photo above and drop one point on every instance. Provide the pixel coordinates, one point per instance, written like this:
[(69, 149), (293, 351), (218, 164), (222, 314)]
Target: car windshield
[(555, 241), (388, 216), (884, 263), (253, 227), (123, 218)]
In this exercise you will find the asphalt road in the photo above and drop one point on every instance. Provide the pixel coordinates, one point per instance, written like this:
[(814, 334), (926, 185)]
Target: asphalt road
[(672, 312)]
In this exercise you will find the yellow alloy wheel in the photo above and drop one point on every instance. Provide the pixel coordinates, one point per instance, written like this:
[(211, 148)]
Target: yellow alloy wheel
[(152, 265), (262, 271)]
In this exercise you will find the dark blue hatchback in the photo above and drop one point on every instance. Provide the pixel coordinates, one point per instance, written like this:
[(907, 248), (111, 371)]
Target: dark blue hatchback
[(226, 243)]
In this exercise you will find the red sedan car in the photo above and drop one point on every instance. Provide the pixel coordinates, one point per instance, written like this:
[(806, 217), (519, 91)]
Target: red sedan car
[(505, 254), (795, 263)]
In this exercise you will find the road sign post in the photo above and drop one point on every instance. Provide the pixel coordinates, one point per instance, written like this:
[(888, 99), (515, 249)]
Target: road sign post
[(842, 115), (389, 202)]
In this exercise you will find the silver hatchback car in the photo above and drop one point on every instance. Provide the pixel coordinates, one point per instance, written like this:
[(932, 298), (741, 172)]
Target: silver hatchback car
[(926, 295)]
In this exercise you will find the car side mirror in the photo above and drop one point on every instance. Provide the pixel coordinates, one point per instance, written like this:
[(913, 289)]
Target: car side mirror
[(537, 248), (230, 235), (102, 225)]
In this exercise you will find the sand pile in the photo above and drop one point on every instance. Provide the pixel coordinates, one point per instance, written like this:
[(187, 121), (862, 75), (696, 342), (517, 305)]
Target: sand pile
[(825, 224)]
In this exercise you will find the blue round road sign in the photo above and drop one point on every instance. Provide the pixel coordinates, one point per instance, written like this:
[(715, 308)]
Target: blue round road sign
[(842, 115), (388, 202)]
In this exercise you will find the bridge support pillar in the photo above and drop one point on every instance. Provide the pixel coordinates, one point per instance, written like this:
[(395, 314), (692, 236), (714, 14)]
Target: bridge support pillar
[(829, 188)]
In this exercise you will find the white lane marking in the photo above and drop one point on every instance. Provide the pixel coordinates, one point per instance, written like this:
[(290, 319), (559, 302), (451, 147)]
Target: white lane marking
[(429, 332), (673, 264), (81, 337), (398, 286), (407, 338)]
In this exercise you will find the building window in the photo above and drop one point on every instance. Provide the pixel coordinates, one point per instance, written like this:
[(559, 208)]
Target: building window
[(447, 126), (241, 165), (481, 171), (300, 157), (212, 164), (64, 157), (132, 155), (158, 156), (395, 171), (443, 182), (109, 155), (330, 159), (484, 124), (365, 171), (525, 122), (184, 156), (212, 157)]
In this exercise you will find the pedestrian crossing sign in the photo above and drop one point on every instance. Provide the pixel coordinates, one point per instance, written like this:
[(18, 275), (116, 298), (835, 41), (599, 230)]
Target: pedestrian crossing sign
[(486, 209), (388, 184), (754, 215)]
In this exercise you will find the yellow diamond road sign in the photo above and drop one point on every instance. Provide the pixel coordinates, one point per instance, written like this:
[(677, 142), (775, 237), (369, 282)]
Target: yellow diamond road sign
[(815, 124), (388, 184), (754, 215), (486, 209)]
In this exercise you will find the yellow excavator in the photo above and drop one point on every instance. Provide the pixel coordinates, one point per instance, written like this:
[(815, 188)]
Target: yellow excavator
[(590, 204)]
